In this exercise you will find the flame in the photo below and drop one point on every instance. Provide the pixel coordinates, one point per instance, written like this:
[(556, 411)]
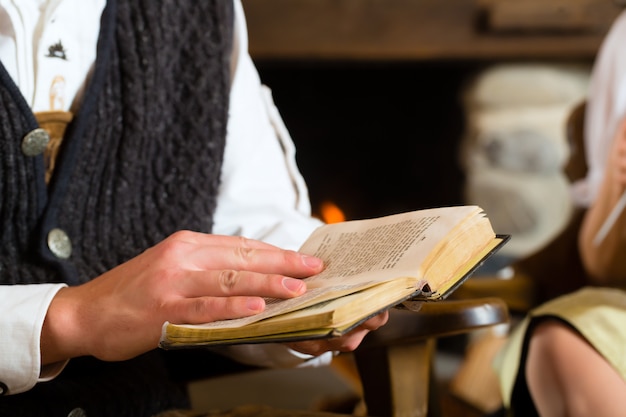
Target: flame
[(331, 213)]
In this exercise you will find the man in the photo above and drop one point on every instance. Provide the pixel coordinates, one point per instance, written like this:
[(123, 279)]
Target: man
[(157, 133)]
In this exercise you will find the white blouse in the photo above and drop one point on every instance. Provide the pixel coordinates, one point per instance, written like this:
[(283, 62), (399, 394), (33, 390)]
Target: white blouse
[(262, 196)]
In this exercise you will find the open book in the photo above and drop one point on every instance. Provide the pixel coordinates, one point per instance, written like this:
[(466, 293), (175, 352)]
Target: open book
[(370, 266)]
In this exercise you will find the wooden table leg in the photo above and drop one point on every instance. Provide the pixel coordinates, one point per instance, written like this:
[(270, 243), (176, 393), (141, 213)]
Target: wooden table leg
[(396, 378)]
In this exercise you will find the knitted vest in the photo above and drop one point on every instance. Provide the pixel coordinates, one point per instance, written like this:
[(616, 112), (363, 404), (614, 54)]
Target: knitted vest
[(140, 160), (143, 155)]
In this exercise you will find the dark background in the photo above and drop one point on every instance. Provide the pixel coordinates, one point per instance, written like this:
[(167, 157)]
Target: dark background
[(374, 138)]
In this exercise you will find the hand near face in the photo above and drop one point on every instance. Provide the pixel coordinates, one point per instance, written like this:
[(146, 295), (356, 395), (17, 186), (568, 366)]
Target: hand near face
[(187, 278), (617, 158)]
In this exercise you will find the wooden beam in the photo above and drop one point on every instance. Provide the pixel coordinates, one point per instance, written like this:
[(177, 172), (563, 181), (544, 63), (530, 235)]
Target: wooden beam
[(404, 30)]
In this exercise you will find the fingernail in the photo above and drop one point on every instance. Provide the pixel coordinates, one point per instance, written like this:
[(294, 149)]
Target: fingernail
[(255, 304), (311, 261), (293, 285)]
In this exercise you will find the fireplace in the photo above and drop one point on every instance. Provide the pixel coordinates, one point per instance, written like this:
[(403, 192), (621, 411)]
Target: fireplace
[(374, 139)]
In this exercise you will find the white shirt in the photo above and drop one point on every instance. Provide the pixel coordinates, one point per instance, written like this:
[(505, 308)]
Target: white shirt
[(262, 196)]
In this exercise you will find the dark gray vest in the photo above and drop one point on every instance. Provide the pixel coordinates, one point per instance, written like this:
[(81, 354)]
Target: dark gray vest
[(142, 157), (140, 160)]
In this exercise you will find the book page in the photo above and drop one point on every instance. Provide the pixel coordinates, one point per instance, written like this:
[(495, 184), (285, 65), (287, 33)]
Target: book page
[(383, 248)]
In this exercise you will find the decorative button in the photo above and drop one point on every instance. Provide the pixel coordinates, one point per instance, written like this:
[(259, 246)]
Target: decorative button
[(59, 243), (3, 389), (35, 142), (77, 412)]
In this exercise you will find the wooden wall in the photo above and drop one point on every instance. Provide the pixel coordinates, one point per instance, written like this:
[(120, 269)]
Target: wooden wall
[(427, 29)]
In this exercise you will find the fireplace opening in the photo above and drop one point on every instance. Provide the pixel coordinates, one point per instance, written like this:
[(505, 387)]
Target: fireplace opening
[(374, 138)]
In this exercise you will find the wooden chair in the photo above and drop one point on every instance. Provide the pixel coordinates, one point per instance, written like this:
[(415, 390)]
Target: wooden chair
[(395, 362)]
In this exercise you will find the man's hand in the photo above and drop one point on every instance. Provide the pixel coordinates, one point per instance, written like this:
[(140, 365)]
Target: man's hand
[(188, 278), (346, 343)]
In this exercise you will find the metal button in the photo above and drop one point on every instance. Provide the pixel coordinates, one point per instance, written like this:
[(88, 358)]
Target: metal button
[(3, 389), (59, 243), (77, 412), (35, 142)]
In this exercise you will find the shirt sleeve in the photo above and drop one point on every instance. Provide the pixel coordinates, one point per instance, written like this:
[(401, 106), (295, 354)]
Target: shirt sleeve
[(23, 309), (273, 355), (263, 195)]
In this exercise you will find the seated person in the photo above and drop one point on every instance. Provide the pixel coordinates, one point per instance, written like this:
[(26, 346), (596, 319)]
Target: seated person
[(567, 357)]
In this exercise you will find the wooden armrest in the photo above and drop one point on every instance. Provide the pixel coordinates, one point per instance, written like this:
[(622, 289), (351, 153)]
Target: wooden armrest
[(518, 291), (437, 319)]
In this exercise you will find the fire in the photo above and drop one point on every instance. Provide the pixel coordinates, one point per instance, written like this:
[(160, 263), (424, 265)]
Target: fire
[(331, 213)]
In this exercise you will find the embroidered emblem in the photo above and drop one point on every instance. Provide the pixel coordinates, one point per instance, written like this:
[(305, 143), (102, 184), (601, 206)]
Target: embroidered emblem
[(57, 51)]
